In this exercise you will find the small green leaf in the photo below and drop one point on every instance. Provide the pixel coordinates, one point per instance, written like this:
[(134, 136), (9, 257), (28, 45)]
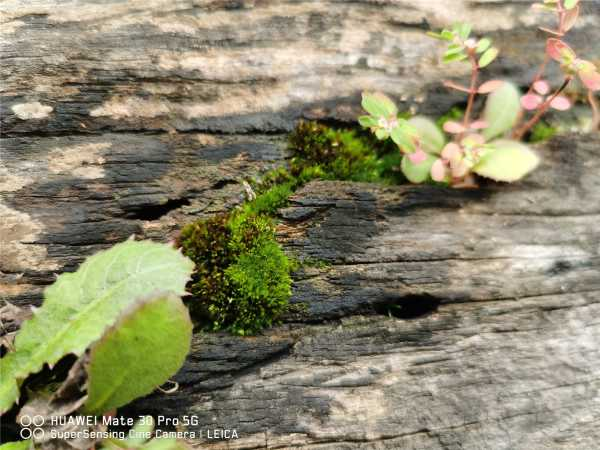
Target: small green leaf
[(483, 45), (367, 121), (80, 306), (501, 110), (403, 135), (417, 173), (435, 35), (454, 57), (488, 56), (570, 4), (431, 138), (379, 105), (506, 161), (453, 50), (381, 134), (463, 30), (140, 352)]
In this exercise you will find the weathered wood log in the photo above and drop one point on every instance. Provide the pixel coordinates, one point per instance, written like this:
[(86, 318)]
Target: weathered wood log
[(441, 319), (438, 319)]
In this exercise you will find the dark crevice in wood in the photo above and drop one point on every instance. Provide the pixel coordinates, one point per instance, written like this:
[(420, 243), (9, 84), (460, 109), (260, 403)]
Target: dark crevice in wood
[(408, 307)]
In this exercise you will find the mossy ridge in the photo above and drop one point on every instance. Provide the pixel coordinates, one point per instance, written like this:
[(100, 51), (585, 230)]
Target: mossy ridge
[(242, 282)]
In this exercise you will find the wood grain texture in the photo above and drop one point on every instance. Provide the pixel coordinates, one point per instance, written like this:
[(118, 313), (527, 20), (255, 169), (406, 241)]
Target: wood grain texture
[(442, 319), (439, 319)]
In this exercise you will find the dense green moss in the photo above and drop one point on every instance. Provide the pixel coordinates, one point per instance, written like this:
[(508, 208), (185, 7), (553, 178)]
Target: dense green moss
[(242, 280), (322, 152)]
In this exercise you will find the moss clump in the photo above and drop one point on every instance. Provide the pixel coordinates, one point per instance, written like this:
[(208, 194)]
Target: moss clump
[(242, 278), (322, 152)]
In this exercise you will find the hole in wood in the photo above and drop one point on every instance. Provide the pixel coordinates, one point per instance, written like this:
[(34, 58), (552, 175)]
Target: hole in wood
[(408, 307)]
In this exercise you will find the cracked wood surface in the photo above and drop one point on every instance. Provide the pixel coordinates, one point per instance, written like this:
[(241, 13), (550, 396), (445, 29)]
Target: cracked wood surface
[(432, 320), (437, 319)]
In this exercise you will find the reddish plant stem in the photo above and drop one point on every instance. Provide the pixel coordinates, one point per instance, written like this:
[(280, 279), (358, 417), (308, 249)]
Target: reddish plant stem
[(595, 111), (472, 88), (519, 133)]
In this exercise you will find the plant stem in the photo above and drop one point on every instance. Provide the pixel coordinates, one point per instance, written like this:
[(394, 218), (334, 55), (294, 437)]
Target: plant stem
[(595, 111), (472, 88), (519, 133)]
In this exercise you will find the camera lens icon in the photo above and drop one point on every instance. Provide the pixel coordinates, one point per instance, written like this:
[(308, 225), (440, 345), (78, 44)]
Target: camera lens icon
[(27, 422)]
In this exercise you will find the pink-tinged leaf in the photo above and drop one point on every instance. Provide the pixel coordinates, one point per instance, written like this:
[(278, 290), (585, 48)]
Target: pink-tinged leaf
[(417, 157), (490, 86), (559, 51), (542, 87), (588, 74), (473, 140), (479, 125), (438, 170), (450, 151), (454, 127), (459, 168), (531, 101), (458, 87), (560, 103), (570, 18)]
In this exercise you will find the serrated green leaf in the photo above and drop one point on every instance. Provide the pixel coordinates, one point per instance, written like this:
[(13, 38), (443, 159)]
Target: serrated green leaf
[(488, 56), (483, 45), (378, 105), (17, 445), (507, 160), (80, 306), (501, 110), (431, 138), (140, 352), (417, 173), (367, 121)]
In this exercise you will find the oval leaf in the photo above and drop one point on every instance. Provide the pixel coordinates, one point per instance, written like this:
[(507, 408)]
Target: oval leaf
[(417, 173), (141, 351), (483, 45), (507, 161), (501, 110), (570, 4), (431, 138), (490, 86), (80, 306), (559, 51), (570, 18), (561, 103), (488, 56), (378, 104)]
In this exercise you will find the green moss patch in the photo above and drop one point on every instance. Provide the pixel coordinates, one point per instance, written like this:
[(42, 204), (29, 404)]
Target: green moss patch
[(242, 279)]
